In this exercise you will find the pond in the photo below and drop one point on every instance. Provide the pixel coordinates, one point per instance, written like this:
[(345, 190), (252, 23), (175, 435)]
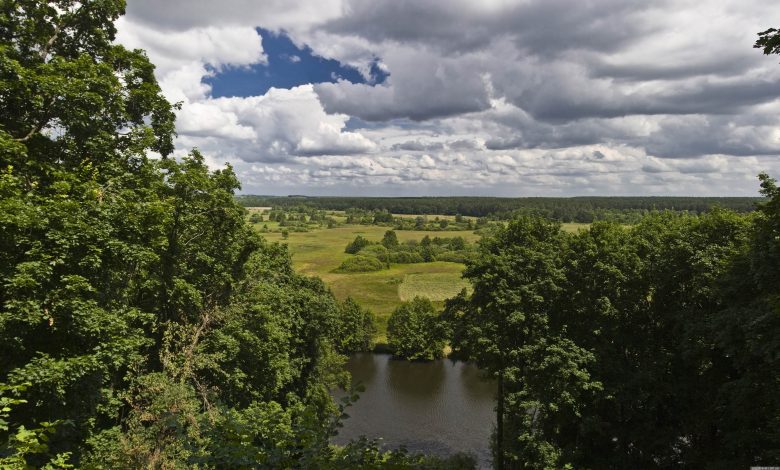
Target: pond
[(439, 407)]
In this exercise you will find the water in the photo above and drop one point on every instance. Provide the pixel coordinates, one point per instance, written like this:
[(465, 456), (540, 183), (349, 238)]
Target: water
[(438, 407)]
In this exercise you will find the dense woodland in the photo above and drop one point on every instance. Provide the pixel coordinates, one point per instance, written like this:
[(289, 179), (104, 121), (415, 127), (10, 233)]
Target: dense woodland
[(575, 209), (145, 324), (650, 346)]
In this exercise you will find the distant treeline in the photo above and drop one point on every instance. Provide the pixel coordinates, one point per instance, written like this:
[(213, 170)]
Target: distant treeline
[(575, 209)]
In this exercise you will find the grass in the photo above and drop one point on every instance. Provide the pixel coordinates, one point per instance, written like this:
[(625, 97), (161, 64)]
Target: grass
[(320, 251), (435, 286), (573, 227)]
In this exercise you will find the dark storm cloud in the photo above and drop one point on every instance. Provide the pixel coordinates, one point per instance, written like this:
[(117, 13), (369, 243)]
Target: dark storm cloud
[(540, 27), (570, 64), (418, 146), (714, 135)]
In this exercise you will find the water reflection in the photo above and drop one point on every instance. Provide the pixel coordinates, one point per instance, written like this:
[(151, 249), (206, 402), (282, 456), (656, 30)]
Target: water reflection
[(415, 380), (437, 407)]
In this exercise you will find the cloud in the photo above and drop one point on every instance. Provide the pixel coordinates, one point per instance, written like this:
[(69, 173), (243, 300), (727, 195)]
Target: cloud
[(525, 97), (421, 86), (274, 127)]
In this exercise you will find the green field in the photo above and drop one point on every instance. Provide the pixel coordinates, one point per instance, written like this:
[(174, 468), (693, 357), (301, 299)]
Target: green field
[(320, 251), (435, 286)]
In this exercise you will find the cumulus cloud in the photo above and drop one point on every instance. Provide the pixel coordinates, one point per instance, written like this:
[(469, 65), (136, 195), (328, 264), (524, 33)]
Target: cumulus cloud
[(510, 97)]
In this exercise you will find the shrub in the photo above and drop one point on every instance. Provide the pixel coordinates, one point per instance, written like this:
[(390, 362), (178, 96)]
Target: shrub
[(360, 264), (390, 240), (377, 251), (405, 257), (356, 245), (455, 256)]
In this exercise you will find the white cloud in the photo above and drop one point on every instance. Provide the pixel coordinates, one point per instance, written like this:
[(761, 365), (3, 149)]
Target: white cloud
[(527, 97)]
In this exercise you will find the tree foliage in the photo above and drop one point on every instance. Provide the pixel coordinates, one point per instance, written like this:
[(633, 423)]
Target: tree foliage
[(356, 245), (143, 323), (358, 328), (630, 347), (415, 331), (390, 239)]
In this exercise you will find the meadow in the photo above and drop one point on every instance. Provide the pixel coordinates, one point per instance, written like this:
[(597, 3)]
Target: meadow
[(320, 251)]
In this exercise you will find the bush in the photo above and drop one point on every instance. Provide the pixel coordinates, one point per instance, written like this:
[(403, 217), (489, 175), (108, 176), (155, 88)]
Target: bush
[(360, 264), (453, 256), (356, 245), (377, 251), (390, 240), (415, 331), (405, 257)]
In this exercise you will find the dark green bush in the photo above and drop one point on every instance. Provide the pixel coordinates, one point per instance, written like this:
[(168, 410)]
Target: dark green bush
[(405, 257), (356, 245), (360, 264)]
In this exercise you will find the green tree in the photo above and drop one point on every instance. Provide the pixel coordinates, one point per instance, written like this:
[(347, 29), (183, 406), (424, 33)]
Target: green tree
[(390, 240), (505, 327), (415, 331), (357, 330), (768, 41), (142, 321), (356, 245)]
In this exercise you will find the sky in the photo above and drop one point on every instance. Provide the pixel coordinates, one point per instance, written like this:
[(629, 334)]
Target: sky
[(463, 97)]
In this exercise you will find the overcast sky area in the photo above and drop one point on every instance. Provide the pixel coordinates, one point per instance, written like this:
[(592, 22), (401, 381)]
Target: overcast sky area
[(463, 97)]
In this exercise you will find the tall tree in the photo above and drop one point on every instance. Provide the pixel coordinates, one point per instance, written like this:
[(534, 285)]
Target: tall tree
[(505, 327)]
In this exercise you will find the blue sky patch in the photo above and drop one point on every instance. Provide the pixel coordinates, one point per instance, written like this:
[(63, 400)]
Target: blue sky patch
[(288, 66)]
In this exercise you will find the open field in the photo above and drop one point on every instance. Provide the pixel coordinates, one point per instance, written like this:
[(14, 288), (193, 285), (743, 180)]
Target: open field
[(320, 251), (573, 227), (435, 286)]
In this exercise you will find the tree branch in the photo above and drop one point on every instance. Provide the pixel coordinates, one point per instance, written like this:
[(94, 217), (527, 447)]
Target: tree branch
[(45, 49)]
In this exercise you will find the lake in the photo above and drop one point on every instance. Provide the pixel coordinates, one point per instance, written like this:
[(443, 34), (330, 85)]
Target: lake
[(439, 407)]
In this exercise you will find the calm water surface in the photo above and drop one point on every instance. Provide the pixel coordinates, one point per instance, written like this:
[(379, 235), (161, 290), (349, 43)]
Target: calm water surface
[(438, 407)]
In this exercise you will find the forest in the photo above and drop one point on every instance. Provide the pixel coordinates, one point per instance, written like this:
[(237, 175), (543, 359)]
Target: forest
[(574, 209), (145, 322)]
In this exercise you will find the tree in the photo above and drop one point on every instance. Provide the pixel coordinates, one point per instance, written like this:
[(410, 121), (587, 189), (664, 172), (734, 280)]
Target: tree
[(357, 328), (143, 323), (390, 240), (504, 327), (383, 217), (415, 331), (356, 245), (590, 334), (769, 41)]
